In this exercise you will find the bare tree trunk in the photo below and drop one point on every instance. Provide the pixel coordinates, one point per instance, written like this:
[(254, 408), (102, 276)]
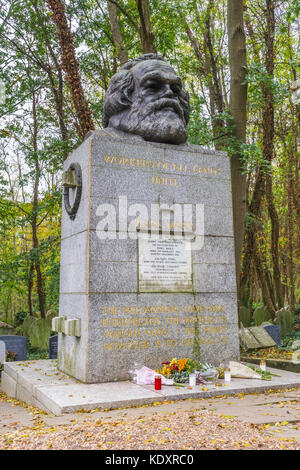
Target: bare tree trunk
[(238, 110), (254, 212), (58, 95), (70, 67), (57, 91), (121, 50), (216, 88), (265, 288), (35, 241), (268, 143), (274, 241), (30, 285), (145, 30), (290, 256), (207, 66)]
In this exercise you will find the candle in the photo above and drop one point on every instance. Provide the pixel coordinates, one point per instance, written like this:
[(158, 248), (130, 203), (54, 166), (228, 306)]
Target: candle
[(262, 365), (157, 382), (227, 375), (192, 380)]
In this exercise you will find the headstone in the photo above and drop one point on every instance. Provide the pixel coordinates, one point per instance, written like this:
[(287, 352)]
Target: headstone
[(255, 337), (147, 252), (53, 342), (247, 340), (17, 345), (2, 352), (260, 315), (244, 316), (274, 332), (285, 319), (262, 336)]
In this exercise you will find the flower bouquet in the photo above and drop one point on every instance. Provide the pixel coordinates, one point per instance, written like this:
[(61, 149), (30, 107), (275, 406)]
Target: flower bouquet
[(179, 370)]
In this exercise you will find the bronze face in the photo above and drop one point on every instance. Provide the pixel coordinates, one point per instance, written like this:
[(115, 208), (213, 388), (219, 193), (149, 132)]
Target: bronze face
[(148, 99)]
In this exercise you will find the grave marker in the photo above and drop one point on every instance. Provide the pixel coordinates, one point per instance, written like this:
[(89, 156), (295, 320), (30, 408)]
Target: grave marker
[(16, 345), (53, 344)]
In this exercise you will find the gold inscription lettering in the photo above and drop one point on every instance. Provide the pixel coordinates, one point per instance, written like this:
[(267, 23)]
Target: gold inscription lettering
[(164, 180), (161, 165)]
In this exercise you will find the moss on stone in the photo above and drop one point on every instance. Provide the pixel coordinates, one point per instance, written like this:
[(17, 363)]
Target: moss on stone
[(260, 315)]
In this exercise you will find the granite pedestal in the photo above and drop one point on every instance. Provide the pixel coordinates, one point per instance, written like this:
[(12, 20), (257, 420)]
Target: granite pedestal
[(129, 291)]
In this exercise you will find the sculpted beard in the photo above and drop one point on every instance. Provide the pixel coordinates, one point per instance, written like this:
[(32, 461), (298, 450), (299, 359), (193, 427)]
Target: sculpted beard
[(160, 121)]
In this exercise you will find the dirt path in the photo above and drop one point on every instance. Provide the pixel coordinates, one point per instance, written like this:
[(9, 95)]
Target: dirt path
[(254, 421)]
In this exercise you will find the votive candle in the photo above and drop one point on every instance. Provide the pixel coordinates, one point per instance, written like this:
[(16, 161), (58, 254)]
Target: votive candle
[(262, 365), (157, 382), (192, 380), (227, 375)]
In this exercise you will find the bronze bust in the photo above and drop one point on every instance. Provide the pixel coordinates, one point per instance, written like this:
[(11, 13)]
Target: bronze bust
[(146, 98)]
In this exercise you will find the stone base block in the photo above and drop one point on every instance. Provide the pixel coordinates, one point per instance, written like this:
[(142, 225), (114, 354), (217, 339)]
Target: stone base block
[(54, 392)]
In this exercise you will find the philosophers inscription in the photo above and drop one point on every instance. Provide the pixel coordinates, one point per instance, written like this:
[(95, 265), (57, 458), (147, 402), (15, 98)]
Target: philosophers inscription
[(165, 265)]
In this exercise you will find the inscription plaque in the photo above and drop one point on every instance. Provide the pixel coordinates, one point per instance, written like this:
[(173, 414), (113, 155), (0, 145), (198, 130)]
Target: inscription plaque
[(165, 265)]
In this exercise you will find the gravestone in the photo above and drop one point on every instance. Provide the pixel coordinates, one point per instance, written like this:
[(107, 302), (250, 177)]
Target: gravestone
[(274, 332), (260, 315), (245, 316), (262, 336), (16, 345), (2, 352), (285, 319), (247, 340), (53, 343), (147, 253), (255, 337)]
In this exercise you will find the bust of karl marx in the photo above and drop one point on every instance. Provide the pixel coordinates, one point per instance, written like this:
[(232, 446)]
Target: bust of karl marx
[(146, 98)]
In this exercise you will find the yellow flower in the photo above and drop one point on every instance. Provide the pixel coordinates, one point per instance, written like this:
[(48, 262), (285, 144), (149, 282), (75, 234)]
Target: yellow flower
[(182, 363)]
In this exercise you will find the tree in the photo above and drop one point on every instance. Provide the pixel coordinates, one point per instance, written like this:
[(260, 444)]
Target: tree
[(70, 66), (238, 110)]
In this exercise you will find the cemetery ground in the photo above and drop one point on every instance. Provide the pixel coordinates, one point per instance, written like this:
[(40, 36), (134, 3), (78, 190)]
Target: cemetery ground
[(264, 421)]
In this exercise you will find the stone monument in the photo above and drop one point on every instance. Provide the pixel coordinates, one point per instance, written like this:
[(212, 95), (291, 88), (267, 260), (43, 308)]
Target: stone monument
[(147, 252)]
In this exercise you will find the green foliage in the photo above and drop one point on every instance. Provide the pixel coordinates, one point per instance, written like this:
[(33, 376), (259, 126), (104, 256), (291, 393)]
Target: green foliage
[(34, 354), (287, 341), (296, 310), (180, 377), (20, 317)]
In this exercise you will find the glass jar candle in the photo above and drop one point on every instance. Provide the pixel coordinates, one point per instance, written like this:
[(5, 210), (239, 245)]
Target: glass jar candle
[(262, 365), (227, 375), (157, 382), (192, 380)]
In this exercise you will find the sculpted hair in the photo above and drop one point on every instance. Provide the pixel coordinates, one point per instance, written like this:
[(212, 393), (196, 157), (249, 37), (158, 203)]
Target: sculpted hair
[(121, 86)]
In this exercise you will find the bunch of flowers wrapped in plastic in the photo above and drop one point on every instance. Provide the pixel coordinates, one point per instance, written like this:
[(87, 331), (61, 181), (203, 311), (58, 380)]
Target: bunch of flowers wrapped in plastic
[(175, 372), (180, 369)]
